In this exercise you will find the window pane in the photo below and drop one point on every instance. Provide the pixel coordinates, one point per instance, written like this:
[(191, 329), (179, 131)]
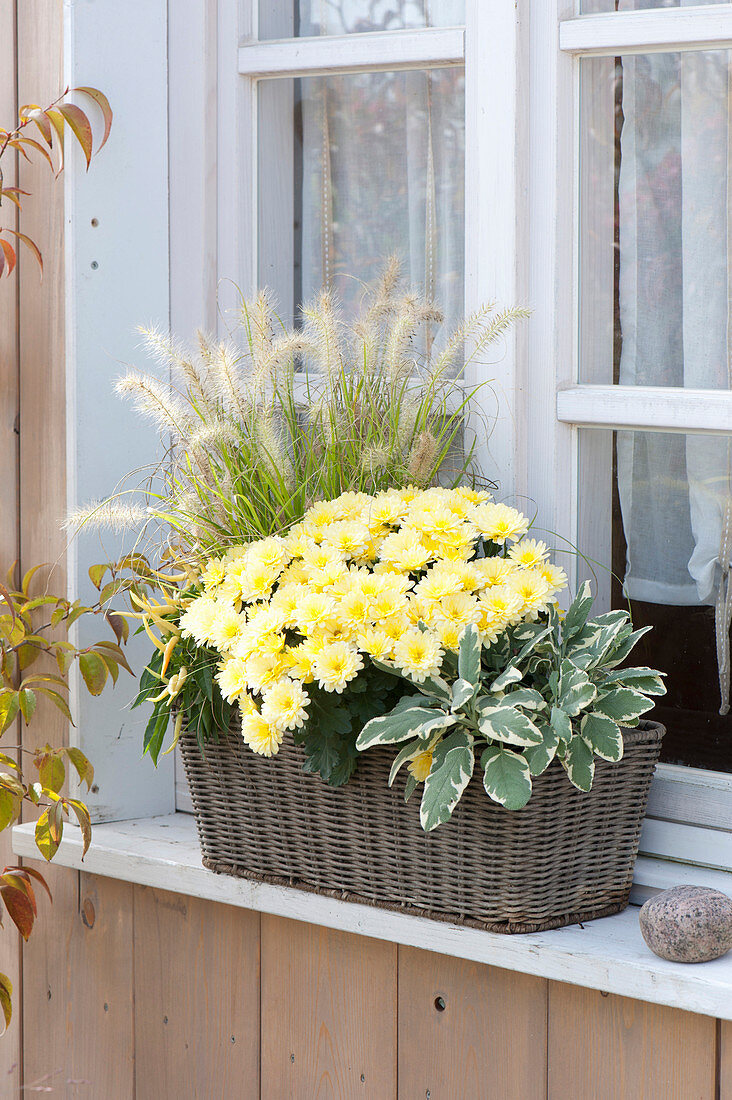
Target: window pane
[(353, 169), (589, 6), (295, 18), (656, 220), (656, 513)]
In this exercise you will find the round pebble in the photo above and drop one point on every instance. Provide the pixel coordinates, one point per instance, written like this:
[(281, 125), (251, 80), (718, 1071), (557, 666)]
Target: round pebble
[(688, 924)]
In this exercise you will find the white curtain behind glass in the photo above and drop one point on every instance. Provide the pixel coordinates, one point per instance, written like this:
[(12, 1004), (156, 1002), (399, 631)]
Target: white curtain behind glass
[(383, 162), (675, 490)]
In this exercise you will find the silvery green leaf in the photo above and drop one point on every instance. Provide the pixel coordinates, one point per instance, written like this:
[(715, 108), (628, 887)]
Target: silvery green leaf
[(576, 617), (407, 702), (440, 721), (579, 763), (539, 635), (603, 736), (506, 777), (509, 676), (625, 644), (503, 723), (561, 724), (388, 729), (462, 693), (525, 697), (408, 750), (409, 787), (539, 757), (469, 655), (647, 680), (623, 704), (436, 686), (448, 778), (575, 690)]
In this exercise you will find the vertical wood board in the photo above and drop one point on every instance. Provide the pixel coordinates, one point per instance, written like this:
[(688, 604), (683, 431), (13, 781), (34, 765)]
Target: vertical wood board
[(613, 1048), (10, 951), (78, 1035), (329, 1008), (469, 1030), (196, 998), (725, 1060)]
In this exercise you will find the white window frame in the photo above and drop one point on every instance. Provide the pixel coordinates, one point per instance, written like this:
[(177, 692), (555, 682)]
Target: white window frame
[(682, 797)]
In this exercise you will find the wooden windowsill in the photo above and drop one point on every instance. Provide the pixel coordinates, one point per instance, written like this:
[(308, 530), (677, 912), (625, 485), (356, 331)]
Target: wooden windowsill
[(607, 954)]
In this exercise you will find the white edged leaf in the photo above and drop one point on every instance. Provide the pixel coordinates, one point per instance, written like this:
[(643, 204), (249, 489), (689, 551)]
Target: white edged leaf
[(539, 757), (469, 655), (449, 776), (579, 763), (406, 752), (509, 676), (528, 698), (576, 617), (561, 723), (603, 736), (389, 729), (647, 680), (462, 692), (506, 777), (623, 704), (507, 724), (575, 690)]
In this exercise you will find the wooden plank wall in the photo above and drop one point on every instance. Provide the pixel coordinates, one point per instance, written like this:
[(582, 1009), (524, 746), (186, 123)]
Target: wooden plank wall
[(130, 992)]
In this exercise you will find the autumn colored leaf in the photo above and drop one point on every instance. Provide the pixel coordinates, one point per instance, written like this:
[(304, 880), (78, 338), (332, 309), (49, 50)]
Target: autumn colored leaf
[(82, 816), (6, 1003), (20, 909), (47, 838), (80, 127), (94, 672), (119, 625), (29, 244), (103, 103), (51, 772), (83, 766)]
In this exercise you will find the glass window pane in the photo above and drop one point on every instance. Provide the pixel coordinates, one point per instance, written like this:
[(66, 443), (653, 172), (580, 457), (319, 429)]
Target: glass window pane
[(656, 220), (656, 517), (587, 7), (354, 169), (295, 18)]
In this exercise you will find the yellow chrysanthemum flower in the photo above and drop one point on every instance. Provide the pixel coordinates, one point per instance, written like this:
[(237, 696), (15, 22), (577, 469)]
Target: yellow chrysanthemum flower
[(199, 619), (420, 766), (376, 642), (336, 665), (259, 735), (316, 610), (226, 628), (532, 589), (418, 654), (213, 574), (529, 553), (232, 678), (498, 522), (284, 705)]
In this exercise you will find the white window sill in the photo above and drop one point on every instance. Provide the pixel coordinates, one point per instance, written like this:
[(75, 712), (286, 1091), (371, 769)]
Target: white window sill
[(607, 954)]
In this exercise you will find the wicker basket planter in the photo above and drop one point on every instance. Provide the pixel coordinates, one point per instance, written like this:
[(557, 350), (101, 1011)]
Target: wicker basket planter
[(566, 857)]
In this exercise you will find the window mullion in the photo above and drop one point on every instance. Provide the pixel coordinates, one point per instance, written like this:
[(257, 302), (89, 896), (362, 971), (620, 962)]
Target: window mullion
[(628, 32), (436, 47), (647, 408)]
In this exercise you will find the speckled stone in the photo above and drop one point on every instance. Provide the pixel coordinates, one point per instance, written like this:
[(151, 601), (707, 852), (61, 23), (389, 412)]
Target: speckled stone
[(688, 924)]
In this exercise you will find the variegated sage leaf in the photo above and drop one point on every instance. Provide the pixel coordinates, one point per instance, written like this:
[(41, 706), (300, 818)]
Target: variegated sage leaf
[(509, 676), (576, 617), (642, 679), (462, 692), (579, 763), (575, 690), (446, 782), (507, 724), (603, 736), (506, 777), (539, 757), (623, 704), (389, 729), (469, 655)]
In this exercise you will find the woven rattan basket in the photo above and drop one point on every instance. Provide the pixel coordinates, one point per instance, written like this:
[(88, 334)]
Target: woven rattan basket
[(566, 857)]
